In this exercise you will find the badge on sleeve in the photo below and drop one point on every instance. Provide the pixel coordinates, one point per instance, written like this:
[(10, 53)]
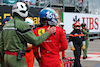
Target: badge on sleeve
[(41, 31)]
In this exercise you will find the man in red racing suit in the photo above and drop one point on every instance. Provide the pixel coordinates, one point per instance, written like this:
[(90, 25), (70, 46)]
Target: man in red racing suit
[(50, 51), (62, 25)]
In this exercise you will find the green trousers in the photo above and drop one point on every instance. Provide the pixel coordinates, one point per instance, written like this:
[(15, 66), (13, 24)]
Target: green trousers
[(11, 61), (86, 47)]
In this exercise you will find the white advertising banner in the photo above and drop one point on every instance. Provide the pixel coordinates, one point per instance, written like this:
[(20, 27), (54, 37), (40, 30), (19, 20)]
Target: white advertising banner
[(92, 21)]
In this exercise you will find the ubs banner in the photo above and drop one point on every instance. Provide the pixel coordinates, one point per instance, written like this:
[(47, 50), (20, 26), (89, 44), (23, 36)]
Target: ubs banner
[(7, 11), (92, 21)]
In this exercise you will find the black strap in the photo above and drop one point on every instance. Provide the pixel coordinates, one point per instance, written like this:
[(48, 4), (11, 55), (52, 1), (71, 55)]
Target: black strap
[(18, 35)]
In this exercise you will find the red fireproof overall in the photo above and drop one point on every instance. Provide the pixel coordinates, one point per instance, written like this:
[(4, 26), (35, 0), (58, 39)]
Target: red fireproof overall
[(50, 47)]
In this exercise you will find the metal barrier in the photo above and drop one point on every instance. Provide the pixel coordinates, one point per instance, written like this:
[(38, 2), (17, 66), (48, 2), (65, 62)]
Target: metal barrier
[(72, 2), (92, 36), (45, 3), (39, 4), (50, 3)]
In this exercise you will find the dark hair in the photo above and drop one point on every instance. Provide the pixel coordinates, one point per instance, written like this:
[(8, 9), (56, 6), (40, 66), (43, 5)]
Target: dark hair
[(83, 24)]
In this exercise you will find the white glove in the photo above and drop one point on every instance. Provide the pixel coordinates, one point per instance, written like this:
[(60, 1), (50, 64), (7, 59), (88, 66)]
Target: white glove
[(83, 43), (71, 44)]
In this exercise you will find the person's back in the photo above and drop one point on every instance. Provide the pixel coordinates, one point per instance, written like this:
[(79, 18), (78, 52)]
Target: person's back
[(12, 41), (50, 47), (16, 34), (10, 45)]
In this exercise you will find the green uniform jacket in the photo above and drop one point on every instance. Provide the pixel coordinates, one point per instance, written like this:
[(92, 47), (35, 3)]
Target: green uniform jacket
[(12, 42), (1, 49), (86, 33)]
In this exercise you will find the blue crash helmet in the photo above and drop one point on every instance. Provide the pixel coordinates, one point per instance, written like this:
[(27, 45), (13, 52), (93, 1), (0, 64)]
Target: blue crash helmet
[(50, 14)]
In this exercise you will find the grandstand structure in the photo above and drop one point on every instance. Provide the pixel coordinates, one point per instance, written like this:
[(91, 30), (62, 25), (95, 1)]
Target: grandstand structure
[(65, 5)]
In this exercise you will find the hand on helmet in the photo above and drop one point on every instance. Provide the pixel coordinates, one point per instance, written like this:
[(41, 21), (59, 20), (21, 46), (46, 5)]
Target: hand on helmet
[(51, 30)]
